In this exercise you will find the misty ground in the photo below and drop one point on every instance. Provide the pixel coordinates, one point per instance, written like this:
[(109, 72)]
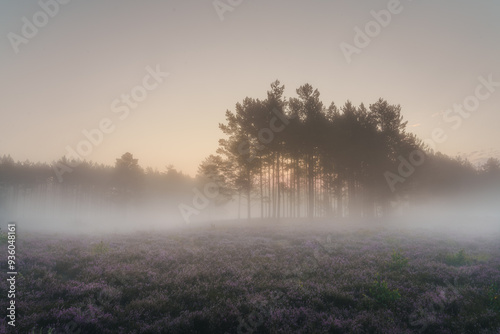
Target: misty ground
[(263, 277)]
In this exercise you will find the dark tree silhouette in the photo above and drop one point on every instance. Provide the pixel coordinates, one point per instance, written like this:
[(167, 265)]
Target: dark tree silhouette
[(323, 161)]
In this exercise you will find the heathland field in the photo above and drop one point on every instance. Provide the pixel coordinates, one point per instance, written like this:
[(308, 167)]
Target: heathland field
[(280, 279)]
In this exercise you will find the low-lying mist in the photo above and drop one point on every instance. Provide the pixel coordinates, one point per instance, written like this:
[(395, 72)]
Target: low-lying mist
[(479, 216)]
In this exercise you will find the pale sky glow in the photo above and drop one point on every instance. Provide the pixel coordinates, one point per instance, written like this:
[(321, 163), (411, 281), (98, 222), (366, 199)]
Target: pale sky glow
[(65, 78)]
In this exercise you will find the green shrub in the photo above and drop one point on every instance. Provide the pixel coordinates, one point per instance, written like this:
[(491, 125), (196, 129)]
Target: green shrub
[(381, 292), (457, 259), (398, 260), (494, 297), (100, 248)]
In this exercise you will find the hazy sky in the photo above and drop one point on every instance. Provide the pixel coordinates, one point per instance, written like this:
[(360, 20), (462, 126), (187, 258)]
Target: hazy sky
[(65, 77)]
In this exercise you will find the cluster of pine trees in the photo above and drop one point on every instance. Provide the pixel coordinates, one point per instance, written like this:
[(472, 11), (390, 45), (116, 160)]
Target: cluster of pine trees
[(297, 157)]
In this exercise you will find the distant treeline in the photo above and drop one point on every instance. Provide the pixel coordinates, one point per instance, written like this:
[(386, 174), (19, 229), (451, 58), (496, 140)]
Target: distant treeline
[(279, 158), (90, 189)]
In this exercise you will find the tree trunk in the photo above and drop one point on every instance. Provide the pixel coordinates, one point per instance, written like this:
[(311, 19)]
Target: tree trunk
[(310, 212), (261, 192), (278, 185)]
